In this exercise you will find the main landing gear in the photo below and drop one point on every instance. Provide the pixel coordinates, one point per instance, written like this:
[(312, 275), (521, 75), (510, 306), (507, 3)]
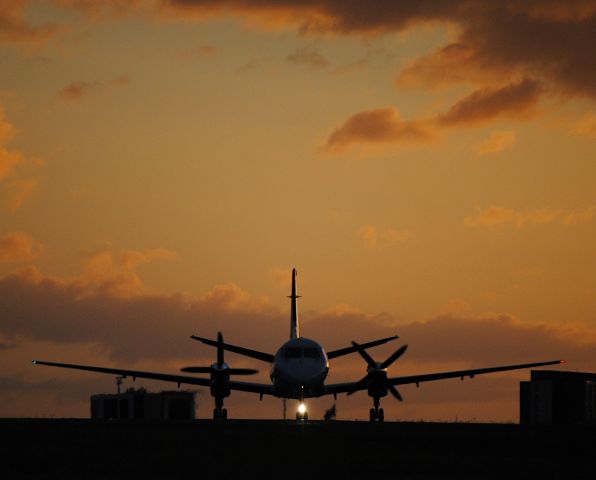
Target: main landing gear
[(377, 414), (220, 413)]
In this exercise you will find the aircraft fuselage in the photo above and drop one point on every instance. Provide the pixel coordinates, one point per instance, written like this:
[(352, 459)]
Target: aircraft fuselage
[(299, 369)]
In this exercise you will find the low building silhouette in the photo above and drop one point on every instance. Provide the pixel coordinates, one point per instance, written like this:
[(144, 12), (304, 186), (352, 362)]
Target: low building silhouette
[(556, 398), (140, 404)]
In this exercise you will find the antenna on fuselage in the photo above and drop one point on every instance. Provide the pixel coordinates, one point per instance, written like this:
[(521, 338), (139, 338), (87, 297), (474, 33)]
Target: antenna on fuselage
[(294, 326)]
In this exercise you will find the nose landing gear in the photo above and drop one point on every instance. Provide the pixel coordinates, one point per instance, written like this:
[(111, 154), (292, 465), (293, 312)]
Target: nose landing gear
[(377, 413)]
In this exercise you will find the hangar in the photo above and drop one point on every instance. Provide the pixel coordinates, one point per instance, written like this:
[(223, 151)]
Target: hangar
[(558, 398), (140, 404)]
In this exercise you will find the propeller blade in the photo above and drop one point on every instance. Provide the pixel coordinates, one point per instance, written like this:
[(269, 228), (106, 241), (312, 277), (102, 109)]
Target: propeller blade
[(365, 355), (196, 369), (220, 350), (395, 393), (359, 384), (398, 353), (242, 371)]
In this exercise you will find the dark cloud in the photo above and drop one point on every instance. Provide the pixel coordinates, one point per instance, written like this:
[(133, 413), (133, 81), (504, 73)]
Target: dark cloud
[(546, 40), (513, 101), (149, 326), (130, 328), (77, 90), (308, 57), (382, 125)]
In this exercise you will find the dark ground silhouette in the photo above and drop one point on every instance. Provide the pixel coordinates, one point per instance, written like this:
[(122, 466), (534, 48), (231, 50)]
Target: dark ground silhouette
[(39, 448)]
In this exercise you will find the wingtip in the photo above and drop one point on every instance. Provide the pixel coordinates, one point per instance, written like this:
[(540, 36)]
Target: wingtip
[(33, 362), (562, 361)]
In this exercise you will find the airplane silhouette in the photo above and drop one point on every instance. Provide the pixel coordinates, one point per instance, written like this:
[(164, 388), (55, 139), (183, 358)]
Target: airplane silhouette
[(298, 370)]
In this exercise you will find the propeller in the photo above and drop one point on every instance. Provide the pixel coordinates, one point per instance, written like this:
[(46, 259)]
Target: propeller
[(219, 365), (376, 372)]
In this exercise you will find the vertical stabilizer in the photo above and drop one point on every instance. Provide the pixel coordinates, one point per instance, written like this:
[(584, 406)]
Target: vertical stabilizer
[(220, 350), (294, 326)]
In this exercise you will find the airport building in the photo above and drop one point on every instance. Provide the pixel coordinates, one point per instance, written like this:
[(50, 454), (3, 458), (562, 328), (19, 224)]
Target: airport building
[(556, 398), (140, 404)]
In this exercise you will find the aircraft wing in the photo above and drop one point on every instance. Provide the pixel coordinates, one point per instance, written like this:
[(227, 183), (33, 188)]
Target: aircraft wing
[(348, 350), (260, 388), (205, 382), (247, 352), (465, 373), (355, 386)]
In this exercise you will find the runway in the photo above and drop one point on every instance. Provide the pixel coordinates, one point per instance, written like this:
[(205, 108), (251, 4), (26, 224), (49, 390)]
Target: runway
[(86, 449)]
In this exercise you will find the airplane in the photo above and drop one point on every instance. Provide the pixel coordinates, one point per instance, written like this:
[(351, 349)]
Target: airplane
[(298, 371)]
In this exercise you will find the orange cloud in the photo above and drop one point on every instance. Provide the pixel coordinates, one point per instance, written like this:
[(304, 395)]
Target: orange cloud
[(497, 142), (113, 273), (18, 246), (497, 216), (512, 101), (14, 27), (390, 236), (8, 159), (382, 125), (15, 189), (579, 217)]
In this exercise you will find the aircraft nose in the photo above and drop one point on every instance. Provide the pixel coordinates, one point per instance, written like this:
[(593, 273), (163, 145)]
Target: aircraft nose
[(308, 373)]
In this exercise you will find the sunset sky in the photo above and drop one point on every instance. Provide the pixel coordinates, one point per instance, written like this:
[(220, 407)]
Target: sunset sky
[(428, 166)]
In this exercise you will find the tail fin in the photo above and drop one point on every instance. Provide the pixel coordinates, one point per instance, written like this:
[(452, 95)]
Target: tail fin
[(220, 350), (294, 325)]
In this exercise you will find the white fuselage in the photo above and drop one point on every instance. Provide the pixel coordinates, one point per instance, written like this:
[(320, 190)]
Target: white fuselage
[(299, 369)]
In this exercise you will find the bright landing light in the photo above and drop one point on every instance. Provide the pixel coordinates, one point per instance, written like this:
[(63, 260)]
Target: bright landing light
[(301, 408)]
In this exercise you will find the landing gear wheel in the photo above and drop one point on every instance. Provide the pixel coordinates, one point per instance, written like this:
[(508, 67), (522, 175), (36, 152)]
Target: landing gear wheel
[(215, 414), (224, 413), (305, 416), (381, 415), (373, 415)]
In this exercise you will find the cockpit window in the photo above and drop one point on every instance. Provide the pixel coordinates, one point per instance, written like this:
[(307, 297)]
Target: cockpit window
[(311, 352), (292, 352)]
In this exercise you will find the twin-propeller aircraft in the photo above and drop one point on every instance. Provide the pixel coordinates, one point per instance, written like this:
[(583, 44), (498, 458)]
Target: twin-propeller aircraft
[(298, 371)]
